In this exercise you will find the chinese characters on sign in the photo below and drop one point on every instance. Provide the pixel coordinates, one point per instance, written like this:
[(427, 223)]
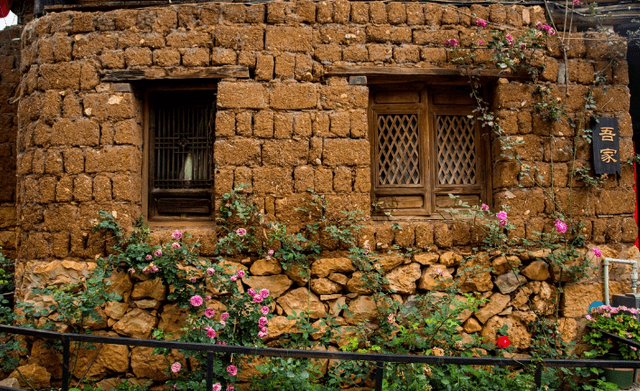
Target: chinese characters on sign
[(606, 146)]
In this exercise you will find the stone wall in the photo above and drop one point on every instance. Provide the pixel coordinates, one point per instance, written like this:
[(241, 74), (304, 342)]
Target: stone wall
[(296, 124), (9, 80)]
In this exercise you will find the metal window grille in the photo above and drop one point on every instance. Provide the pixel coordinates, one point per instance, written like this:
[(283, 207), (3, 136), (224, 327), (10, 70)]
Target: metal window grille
[(456, 150), (183, 144), (398, 149)]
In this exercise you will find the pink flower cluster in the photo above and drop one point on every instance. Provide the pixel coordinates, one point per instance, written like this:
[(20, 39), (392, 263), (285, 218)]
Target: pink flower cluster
[(546, 28), (157, 253), (597, 252), (561, 227), (269, 254), (258, 296), (196, 300), (241, 232), (502, 215), (481, 23), (177, 235), (607, 310), (451, 42), (240, 274), (150, 268)]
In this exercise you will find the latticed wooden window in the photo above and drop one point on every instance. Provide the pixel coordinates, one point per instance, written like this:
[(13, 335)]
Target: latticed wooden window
[(180, 159), (425, 146)]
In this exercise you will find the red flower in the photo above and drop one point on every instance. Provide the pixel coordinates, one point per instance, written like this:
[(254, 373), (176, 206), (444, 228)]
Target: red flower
[(503, 342)]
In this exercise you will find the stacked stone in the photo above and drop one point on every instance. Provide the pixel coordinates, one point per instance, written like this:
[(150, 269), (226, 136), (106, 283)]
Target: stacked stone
[(286, 129), (9, 80)]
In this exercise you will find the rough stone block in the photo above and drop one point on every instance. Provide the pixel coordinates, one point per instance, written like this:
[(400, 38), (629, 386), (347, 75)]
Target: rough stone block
[(195, 57), (264, 67), (342, 182), (222, 56), (263, 124), (126, 187), (338, 152), (302, 124), (273, 180), (378, 13), (241, 152), (80, 132), (225, 124), (289, 39), (304, 179), (101, 188), (293, 96), (114, 159), (285, 152), (242, 95), (283, 125), (285, 66)]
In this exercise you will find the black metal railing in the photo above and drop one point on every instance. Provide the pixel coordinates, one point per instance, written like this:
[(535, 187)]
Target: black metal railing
[(379, 359)]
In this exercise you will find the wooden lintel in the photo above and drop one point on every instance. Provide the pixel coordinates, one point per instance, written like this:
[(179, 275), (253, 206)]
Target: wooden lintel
[(406, 71), (236, 71)]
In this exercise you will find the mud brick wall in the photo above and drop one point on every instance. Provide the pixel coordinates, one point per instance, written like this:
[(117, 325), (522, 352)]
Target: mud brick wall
[(292, 125), (9, 80)]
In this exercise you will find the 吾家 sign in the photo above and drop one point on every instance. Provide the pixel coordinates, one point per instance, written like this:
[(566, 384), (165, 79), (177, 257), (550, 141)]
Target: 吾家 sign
[(606, 146)]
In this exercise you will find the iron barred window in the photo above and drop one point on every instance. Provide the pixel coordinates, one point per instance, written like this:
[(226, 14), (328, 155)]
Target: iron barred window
[(180, 159), (426, 145)]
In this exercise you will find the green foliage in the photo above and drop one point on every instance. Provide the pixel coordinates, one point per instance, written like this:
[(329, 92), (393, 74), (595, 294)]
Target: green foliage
[(288, 374), (621, 321)]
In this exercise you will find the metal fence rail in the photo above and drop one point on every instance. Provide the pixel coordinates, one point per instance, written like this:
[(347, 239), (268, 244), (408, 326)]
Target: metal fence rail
[(378, 358)]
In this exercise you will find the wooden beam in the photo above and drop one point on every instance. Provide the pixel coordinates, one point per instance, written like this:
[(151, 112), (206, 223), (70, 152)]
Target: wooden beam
[(236, 71)]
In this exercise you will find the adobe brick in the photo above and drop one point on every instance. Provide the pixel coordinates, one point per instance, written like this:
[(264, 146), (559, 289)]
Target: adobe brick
[(328, 54), (302, 124), (304, 67), (210, 14), (505, 174), (196, 57), (263, 124), (306, 11), (362, 180), (61, 47), (126, 187), (255, 13), (433, 37), (450, 15), (244, 122), (166, 57), (315, 150), (415, 14), (106, 133), (60, 217), (247, 58), (324, 12), (187, 39), (342, 180), (79, 132), (320, 124), (135, 57), (339, 152), (222, 56), (264, 67), (101, 188), (389, 34), (92, 44), (340, 124), (225, 124), (344, 97), (89, 78), (59, 76), (558, 149), (620, 73), (166, 19), (341, 11), (104, 106), (323, 180), (293, 96), (188, 17), (285, 152), (273, 180), (47, 189), (283, 125), (276, 12), (53, 162), (380, 52), (82, 188), (378, 13), (360, 13), (304, 179), (238, 152), (288, 38), (406, 54), (119, 158), (112, 59), (224, 181), (249, 95), (433, 14), (243, 176), (356, 53), (38, 161), (285, 66), (128, 132), (396, 13), (240, 38), (497, 13)]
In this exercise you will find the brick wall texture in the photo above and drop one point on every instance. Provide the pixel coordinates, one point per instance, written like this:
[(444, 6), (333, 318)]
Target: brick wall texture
[(288, 127), (9, 80)]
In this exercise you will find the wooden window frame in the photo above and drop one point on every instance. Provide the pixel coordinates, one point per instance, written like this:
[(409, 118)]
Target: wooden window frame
[(152, 217), (430, 199)]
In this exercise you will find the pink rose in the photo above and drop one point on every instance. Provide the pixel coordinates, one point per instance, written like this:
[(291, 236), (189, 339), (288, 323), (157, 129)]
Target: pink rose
[(262, 335), (502, 215), (597, 252), (232, 370), (177, 235), (481, 23), (216, 387), (209, 312), (523, 46), (576, 2), (210, 271), (241, 273), (503, 223), (211, 333), (192, 279), (451, 42), (270, 252), (391, 318), (207, 297), (157, 253), (257, 299), (264, 309), (196, 301), (263, 321), (234, 278), (175, 367), (175, 245), (251, 292), (264, 293), (223, 323), (509, 37), (230, 388), (561, 227), (241, 232), (148, 257), (224, 316), (484, 207)]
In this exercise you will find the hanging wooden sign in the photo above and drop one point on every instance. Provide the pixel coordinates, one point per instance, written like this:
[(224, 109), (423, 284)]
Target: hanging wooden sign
[(606, 146)]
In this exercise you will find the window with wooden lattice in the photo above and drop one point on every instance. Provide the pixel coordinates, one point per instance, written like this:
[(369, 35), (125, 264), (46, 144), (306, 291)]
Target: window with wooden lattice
[(425, 146), (179, 160)]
